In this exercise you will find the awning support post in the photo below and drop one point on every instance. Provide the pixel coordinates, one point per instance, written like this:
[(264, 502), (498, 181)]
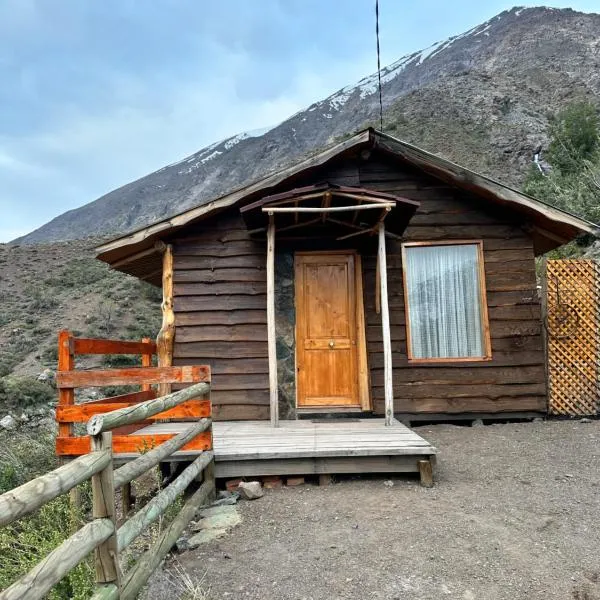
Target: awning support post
[(271, 335), (385, 323)]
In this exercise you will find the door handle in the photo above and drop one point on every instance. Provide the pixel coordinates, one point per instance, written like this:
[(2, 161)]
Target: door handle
[(331, 343)]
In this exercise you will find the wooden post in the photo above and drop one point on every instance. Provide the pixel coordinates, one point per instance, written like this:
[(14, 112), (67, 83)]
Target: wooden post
[(426, 472), (126, 498), (103, 507), (66, 362), (166, 335), (146, 362), (385, 323), (66, 397), (544, 317), (271, 335)]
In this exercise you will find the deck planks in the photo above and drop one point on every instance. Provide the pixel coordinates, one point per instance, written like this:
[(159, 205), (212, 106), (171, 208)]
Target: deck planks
[(253, 448)]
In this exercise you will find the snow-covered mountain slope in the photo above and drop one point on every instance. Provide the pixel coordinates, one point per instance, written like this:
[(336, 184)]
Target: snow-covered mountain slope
[(481, 98)]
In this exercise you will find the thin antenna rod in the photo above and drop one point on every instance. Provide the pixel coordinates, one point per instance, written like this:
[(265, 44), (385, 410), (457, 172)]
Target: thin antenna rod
[(378, 65)]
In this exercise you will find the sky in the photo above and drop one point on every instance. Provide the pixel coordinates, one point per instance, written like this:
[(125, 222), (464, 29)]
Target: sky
[(94, 95)]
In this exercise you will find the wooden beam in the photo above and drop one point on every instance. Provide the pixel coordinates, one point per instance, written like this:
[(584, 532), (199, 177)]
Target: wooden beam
[(354, 234), (103, 507), (48, 572), (377, 287), (166, 335), (318, 209), (385, 323), (66, 362), (151, 559), (131, 470), (326, 204), (271, 333), (140, 412), (426, 472), (159, 503), (131, 443), (82, 413), (99, 346), (30, 496), (132, 376)]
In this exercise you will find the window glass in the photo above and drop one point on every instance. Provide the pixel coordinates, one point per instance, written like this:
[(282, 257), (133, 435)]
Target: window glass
[(444, 301)]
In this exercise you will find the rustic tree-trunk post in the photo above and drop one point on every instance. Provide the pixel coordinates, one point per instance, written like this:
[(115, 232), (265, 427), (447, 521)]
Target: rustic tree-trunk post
[(166, 335), (271, 335), (103, 507), (385, 323)]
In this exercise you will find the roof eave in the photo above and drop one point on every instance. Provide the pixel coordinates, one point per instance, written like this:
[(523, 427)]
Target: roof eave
[(143, 238)]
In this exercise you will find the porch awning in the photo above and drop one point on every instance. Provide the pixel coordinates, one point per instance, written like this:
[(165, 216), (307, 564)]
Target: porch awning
[(346, 212)]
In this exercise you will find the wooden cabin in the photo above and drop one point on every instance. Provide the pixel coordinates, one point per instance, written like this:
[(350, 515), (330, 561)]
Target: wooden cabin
[(372, 278)]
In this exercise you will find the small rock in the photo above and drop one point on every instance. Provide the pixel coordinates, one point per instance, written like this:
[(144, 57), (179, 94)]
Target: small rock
[(477, 423), (182, 544), (230, 498), (388, 483), (538, 420), (24, 418), (250, 490), (47, 375), (8, 422), (204, 536), (585, 420)]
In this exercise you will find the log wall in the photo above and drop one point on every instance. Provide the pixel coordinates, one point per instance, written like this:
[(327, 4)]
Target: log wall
[(220, 304), (514, 380)]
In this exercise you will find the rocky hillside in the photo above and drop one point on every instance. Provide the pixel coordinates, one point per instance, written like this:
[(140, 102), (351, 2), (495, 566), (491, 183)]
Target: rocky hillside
[(481, 98), (53, 286)]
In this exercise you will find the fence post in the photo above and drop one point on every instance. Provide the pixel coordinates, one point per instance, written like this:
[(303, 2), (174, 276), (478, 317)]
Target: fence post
[(544, 315), (103, 507)]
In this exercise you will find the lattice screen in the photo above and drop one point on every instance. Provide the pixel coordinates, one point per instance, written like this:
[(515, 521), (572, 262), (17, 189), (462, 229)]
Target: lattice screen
[(572, 323)]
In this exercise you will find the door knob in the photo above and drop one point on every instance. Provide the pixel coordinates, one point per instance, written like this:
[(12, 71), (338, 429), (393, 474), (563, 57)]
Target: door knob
[(331, 344)]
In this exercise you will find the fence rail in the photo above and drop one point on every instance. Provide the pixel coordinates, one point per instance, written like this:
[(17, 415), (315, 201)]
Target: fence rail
[(69, 379), (101, 535)]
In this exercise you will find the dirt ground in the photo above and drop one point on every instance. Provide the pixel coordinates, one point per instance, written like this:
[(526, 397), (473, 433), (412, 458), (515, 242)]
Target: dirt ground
[(515, 513)]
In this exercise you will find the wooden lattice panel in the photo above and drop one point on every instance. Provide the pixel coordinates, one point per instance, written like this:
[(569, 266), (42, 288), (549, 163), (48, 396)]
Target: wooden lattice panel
[(573, 338)]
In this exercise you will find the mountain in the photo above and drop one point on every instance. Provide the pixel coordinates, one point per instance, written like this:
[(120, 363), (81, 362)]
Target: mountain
[(482, 99)]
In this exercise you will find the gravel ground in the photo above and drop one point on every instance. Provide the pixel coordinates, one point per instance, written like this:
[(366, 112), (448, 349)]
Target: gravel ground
[(515, 513)]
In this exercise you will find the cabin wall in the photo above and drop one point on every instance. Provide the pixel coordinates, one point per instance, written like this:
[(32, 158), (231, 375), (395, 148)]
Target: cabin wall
[(220, 314), (514, 380), (220, 305)]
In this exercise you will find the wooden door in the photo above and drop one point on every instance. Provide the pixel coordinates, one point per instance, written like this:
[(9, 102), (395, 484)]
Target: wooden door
[(326, 331)]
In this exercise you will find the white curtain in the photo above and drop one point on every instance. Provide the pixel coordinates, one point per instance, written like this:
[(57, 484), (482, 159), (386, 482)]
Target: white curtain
[(444, 304)]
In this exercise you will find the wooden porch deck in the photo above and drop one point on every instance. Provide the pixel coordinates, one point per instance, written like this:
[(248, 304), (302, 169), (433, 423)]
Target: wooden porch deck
[(305, 447)]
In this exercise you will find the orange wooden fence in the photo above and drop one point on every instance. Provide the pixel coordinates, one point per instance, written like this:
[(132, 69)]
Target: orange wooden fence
[(68, 379)]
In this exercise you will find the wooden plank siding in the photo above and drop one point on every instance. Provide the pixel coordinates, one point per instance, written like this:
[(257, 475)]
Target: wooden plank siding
[(514, 380), (220, 303), (220, 314)]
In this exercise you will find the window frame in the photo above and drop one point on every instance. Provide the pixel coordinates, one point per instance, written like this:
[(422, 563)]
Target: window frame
[(485, 322)]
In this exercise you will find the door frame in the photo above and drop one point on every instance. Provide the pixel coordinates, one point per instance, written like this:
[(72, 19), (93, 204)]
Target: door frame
[(363, 373)]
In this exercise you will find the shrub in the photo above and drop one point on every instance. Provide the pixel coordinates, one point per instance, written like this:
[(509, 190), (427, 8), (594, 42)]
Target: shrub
[(80, 272), (24, 392), (121, 360), (41, 299), (27, 541)]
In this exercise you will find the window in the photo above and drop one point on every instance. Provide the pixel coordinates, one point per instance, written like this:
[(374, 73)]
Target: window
[(446, 307)]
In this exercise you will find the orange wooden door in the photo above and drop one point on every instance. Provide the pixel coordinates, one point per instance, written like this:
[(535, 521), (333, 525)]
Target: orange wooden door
[(326, 332)]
